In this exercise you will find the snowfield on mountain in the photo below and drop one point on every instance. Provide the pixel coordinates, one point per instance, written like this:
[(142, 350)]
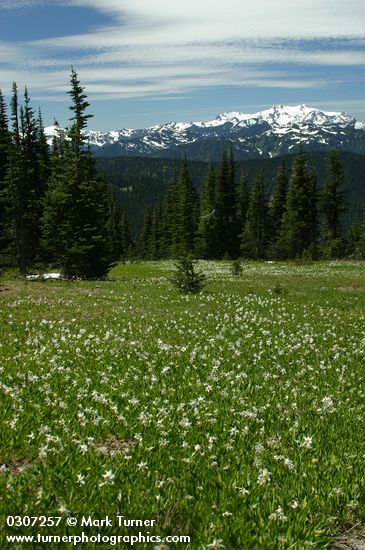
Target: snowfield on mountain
[(273, 132)]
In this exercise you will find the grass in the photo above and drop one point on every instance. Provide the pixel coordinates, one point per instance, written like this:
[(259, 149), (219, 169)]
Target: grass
[(235, 415)]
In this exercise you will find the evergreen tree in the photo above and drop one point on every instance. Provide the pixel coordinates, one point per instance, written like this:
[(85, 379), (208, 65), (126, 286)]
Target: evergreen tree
[(43, 155), (115, 226), (298, 232), (186, 214), (227, 243), (156, 229), (333, 206), (277, 208), (254, 236), (128, 244), (354, 244), (5, 202), (243, 198), (169, 217), (205, 245), (17, 193), (361, 240), (186, 277), (76, 133), (146, 235), (77, 201), (56, 222), (4, 138), (121, 242), (23, 187), (33, 192), (15, 115)]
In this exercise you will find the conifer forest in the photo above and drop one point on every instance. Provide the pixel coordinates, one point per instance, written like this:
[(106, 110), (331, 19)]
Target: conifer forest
[(55, 209)]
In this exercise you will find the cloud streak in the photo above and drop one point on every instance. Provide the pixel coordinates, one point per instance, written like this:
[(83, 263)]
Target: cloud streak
[(156, 48)]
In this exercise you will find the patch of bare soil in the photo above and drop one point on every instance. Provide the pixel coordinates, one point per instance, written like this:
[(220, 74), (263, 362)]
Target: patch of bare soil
[(15, 467), (353, 539), (113, 445)]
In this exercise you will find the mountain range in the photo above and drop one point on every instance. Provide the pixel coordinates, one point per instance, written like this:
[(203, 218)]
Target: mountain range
[(271, 133)]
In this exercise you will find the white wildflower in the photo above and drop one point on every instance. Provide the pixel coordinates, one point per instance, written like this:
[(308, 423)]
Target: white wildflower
[(264, 476), (217, 543)]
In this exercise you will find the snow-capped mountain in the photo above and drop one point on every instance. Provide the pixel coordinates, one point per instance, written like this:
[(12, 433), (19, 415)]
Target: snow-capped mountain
[(273, 132)]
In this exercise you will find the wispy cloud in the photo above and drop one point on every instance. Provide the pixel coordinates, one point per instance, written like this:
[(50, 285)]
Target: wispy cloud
[(16, 4), (160, 21), (154, 48)]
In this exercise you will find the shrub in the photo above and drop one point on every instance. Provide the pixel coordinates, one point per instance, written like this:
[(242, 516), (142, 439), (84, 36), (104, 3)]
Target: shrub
[(186, 278), (236, 268)]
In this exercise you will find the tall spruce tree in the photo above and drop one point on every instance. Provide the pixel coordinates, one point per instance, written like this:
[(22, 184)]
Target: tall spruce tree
[(23, 186), (277, 209), (77, 201), (145, 238), (254, 237), (5, 231), (115, 226), (205, 246), (17, 191), (361, 241), (298, 232), (354, 244), (121, 241), (156, 231), (36, 184), (43, 155), (169, 216), (333, 206), (4, 138), (56, 222), (128, 244), (243, 198), (183, 238), (227, 242)]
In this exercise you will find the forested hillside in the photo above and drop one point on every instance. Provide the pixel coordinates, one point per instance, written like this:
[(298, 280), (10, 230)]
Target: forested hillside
[(143, 181), (61, 207)]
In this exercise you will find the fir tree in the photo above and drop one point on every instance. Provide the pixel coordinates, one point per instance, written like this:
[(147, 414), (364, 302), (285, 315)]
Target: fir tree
[(15, 115), (5, 198), (186, 277), (298, 232), (33, 192), (23, 186), (205, 245), (4, 138), (115, 226), (361, 239), (78, 106), (17, 193), (243, 198), (77, 201), (156, 229), (254, 236), (277, 208), (186, 214), (226, 209), (146, 235), (128, 244), (169, 217), (43, 155), (354, 242), (333, 206)]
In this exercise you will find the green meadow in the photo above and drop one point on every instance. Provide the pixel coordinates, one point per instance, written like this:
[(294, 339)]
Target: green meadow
[(234, 416)]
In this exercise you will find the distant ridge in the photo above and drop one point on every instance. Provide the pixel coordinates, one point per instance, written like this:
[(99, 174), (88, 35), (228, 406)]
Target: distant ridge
[(266, 134)]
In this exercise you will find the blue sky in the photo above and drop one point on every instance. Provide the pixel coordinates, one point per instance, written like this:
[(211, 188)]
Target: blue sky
[(146, 62)]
